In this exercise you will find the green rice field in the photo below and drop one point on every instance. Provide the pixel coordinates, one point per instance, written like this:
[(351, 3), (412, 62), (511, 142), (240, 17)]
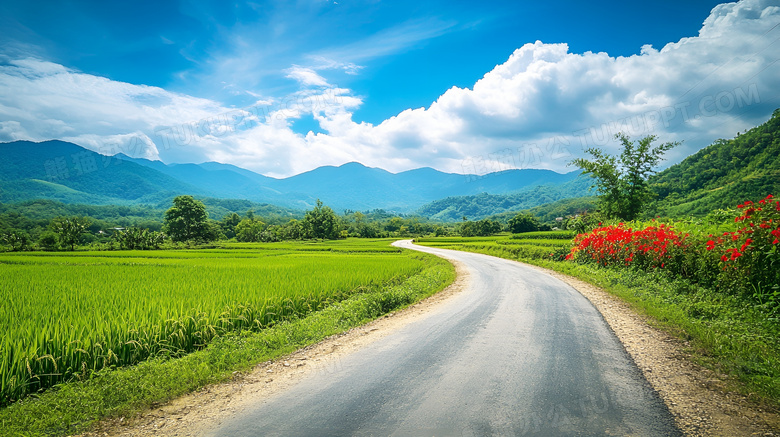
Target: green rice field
[(534, 245), (66, 316)]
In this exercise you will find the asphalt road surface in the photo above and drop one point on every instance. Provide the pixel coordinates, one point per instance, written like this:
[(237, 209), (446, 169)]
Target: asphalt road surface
[(516, 353)]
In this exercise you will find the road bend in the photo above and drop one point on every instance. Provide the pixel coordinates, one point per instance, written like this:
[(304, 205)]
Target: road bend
[(517, 352)]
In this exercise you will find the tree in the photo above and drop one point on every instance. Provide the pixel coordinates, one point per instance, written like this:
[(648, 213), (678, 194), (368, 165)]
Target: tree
[(16, 240), (69, 229), (523, 223), (139, 239), (322, 222), (186, 220), (622, 180), (482, 228), (229, 223), (249, 230)]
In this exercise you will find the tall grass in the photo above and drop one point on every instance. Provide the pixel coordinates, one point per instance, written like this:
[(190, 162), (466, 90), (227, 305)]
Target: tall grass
[(69, 316)]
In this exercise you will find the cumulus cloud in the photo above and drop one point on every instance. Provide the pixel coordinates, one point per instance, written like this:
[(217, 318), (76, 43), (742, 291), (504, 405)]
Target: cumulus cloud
[(540, 108)]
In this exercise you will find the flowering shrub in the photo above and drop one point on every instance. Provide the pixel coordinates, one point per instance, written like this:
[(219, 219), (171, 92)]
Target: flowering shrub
[(743, 261), (651, 247), (749, 256)]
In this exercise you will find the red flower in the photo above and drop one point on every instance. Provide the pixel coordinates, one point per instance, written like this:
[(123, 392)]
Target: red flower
[(710, 245), (776, 241), (769, 196), (724, 258)]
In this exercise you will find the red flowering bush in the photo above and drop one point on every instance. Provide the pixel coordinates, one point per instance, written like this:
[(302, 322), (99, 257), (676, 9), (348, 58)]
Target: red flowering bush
[(652, 247), (749, 255), (744, 260)]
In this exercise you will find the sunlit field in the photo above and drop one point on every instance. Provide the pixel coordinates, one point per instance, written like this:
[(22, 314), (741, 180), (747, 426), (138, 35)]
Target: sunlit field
[(68, 315)]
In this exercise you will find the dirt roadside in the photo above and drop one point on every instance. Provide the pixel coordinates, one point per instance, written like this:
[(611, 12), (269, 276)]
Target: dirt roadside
[(697, 397)]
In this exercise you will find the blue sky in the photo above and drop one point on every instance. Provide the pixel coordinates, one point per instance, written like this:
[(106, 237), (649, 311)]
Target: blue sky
[(120, 76)]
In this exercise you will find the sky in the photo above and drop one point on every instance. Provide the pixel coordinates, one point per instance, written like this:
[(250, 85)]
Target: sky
[(283, 87)]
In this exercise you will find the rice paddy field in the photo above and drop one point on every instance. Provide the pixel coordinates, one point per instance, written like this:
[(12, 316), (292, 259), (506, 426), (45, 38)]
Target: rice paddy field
[(533, 245), (66, 316)]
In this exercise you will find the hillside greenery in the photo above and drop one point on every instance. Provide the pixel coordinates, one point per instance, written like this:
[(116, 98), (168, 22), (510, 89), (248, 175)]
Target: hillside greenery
[(486, 205), (722, 174)]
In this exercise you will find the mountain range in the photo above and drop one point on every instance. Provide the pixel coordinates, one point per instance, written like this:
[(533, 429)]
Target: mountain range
[(66, 172), (718, 176)]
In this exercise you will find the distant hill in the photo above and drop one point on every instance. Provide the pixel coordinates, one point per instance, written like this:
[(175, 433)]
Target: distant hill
[(126, 214), (65, 172), (723, 174), (484, 205)]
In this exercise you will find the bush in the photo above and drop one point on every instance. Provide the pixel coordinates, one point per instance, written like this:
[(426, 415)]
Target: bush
[(743, 261)]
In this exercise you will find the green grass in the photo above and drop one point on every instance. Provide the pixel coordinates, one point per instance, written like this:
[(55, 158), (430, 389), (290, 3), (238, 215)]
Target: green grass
[(725, 333), (75, 406), (531, 245), (68, 316)]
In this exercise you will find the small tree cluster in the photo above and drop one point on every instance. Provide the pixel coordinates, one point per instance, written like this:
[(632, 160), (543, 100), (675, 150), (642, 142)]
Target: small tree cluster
[(69, 230), (525, 223), (482, 228), (139, 239)]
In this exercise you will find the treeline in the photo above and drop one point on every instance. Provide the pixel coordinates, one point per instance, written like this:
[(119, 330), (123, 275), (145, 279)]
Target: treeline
[(187, 222)]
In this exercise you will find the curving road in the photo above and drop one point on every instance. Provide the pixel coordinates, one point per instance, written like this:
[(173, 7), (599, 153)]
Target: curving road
[(516, 353)]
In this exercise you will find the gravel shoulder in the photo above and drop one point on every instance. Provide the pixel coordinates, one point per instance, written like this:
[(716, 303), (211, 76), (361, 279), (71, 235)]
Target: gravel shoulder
[(698, 398)]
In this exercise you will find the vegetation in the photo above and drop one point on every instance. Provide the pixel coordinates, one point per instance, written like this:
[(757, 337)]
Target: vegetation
[(715, 281), (272, 300), (481, 228), (87, 311), (525, 223), (139, 239), (476, 207), (622, 180), (187, 220), (321, 222), (718, 176), (69, 230)]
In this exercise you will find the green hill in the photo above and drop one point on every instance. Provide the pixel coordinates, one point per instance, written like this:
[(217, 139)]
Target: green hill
[(722, 174), (484, 205)]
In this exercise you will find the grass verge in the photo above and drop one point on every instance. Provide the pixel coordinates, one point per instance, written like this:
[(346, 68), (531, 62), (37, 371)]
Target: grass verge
[(74, 407), (723, 333)]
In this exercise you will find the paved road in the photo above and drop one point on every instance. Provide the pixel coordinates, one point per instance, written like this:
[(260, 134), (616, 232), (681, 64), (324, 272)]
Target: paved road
[(516, 353)]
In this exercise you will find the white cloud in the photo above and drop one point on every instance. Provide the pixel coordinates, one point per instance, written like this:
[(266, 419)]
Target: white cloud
[(307, 77), (539, 108)]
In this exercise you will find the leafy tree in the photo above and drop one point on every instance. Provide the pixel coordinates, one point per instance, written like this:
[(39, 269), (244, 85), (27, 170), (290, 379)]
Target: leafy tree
[(249, 230), (139, 239), (293, 230), (322, 222), (186, 220), (622, 180), (482, 228), (16, 240), (523, 223), (229, 223), (69, 229), (394, 224), (48, 241)]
